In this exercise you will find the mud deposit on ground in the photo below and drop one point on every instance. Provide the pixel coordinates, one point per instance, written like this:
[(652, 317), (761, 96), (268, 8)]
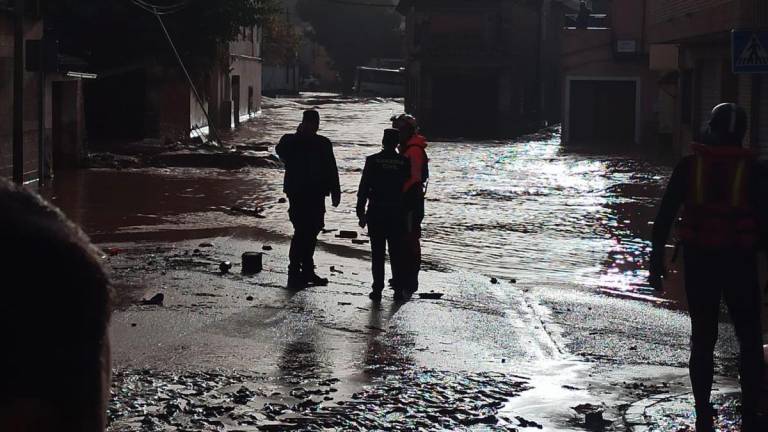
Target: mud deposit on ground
[(404, 400)]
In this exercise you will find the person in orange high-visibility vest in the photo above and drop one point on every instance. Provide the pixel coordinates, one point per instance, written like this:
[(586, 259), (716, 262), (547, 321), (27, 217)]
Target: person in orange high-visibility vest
[(413, 146), (721, 191)]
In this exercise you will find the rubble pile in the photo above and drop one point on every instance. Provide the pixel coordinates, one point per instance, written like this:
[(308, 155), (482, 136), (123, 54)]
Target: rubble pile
[(406, 400)]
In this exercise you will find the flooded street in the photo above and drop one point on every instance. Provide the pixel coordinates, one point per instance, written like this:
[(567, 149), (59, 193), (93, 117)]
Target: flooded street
[(556, 337), (526, 209)]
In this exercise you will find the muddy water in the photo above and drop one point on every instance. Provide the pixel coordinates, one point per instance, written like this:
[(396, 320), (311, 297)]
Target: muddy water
[(524, 209)]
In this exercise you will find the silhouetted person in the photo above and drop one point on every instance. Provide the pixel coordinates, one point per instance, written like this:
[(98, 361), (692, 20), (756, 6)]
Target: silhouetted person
[(584, 17), (381, 187), (310, 175), (721, 191), (54, 315), (413, 146)]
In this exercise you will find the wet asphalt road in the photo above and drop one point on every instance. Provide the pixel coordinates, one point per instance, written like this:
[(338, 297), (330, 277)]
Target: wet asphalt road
[(568, 228)]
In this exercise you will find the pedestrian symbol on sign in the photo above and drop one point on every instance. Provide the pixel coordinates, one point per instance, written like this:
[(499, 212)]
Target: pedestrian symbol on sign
[(749, 51), (754, 54)]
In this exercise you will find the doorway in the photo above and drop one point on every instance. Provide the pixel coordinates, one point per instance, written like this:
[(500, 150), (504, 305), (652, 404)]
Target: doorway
[(602, 112), (65, 127), (236, 99), (465, 105)]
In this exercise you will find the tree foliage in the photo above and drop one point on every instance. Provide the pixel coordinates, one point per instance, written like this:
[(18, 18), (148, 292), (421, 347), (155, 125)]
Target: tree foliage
[(281, 41), (113, 33), (352, 34)]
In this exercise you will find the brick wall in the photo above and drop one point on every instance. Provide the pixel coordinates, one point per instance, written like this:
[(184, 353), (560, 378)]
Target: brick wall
[(31, 95)]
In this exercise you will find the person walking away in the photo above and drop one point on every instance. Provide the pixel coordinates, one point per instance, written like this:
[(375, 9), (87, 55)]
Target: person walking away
[(413, 146), (721, 231), (381, 187), (311, 175), (55, 313)]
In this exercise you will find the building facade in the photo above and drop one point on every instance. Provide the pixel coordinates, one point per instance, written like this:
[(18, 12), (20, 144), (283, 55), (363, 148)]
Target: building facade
[(157, 101), (691, 46), (481, 68), (53, 119), (609, 92)]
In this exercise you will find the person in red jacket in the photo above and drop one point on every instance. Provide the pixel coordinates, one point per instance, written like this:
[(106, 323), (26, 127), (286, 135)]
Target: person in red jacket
[(413, 146), (721, 190)]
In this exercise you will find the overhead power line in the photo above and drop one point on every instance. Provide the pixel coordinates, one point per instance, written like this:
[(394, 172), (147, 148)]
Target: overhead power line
[(161, 10), (155, 10), (360, 3)]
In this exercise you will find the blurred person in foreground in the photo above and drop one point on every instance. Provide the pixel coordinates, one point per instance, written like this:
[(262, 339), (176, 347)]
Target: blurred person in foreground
[(414, 147), (721, 190), (311, 175), (55, 312), (381, 188)]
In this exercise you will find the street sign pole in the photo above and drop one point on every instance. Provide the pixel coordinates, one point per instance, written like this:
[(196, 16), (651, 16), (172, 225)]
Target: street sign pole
[(749, 52), (18, 94)]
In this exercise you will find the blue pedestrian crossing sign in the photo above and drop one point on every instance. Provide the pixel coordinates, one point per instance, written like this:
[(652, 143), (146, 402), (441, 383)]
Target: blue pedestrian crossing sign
[(750, 51)]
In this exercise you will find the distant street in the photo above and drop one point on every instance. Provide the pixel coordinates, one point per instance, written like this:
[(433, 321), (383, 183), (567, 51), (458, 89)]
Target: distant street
[(546, 320)]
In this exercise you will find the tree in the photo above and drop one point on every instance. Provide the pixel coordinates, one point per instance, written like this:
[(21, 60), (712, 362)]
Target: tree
[(113, 33), (281, 41), (353, 34)]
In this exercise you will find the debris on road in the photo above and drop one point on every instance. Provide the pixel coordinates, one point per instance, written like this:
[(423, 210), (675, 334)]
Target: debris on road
[(397, 400), (347, 235), (252, 262), (225, 267), (253, 212), (156, 300)]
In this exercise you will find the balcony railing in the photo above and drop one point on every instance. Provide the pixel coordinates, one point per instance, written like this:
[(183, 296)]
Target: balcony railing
[(595, 21)]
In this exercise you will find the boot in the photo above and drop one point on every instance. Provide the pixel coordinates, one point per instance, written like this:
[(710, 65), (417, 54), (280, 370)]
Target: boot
[(296, 282), (705, 419), (315, 280)]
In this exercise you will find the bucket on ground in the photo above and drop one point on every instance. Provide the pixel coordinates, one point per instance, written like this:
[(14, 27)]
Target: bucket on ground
[(252, 262)]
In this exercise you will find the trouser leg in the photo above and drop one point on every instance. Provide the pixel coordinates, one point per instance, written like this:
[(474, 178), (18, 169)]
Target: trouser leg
[(378, 253), (295, 254), (742, 296), (308, 251), (307, 215), (394, 245), (412, 252), (704, 294)]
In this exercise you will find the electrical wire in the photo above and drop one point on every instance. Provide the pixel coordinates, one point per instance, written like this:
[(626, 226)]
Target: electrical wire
[(364, 4), (173, 9), (161, 10)]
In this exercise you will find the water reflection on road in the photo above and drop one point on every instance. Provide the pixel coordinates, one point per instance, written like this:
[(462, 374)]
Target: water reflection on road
[(523, 209)]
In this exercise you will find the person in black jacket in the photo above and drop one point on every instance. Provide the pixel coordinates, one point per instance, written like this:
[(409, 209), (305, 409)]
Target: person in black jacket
[(721, 189), (381, 187), (310, 176)]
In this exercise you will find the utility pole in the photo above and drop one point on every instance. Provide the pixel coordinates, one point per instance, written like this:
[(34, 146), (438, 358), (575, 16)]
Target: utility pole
[(18, 93)]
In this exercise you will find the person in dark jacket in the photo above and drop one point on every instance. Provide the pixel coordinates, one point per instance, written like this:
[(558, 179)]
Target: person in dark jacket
[(310, 176), (381, 187), (721, 191)]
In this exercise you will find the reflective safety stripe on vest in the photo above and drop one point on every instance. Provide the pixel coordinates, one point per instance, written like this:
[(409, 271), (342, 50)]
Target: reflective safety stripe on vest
[(724, 220)]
